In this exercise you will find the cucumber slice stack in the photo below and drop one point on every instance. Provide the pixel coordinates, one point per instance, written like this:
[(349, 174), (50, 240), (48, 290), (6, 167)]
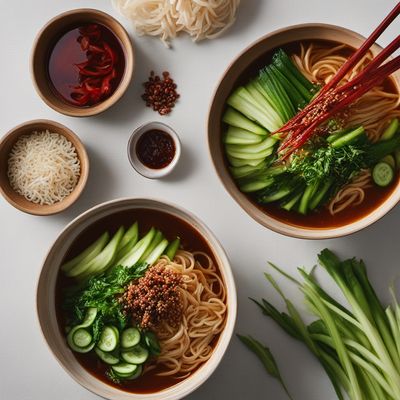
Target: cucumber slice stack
[(124, 351)]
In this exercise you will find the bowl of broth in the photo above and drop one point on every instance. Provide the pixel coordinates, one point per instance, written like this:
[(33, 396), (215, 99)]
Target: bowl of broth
[(294, 197), (152, 322), (82, 62)]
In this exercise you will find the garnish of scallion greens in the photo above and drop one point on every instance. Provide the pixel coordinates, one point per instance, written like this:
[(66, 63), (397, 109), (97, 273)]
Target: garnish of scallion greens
[(357, 345)]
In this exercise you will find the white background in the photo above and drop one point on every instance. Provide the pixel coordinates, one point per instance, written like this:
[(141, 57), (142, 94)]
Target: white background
[(27, 368)]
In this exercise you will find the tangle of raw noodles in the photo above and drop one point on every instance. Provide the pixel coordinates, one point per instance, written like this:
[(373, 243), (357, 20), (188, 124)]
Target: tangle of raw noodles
[(201, 19), (185, 347), (374, 110)]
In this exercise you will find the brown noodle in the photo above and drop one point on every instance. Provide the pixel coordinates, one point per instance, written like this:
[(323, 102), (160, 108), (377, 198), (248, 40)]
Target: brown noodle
[(184, 348), (374, 110)]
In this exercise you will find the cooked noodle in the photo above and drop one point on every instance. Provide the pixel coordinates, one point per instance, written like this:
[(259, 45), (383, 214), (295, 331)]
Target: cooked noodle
[(184, 348), (374, 110), (201, 19)]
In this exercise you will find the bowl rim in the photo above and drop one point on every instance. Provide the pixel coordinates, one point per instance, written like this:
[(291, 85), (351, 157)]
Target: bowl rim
[(274, 224), (226, 334), (136, 163), (58, 207), (123, 85)]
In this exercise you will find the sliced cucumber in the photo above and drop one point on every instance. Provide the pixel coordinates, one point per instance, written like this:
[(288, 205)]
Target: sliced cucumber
[(157, 252), (261, 155), (90, 316), (240, 172), (87, 255), (138, 355), (130, 236), (389, 159), (390, 130), (82, 337), (124, 369), (152, 343), (74, 347), (130, 337), (136, 374), (108, 358), (236, 135), (137, 251), (235, 118), (237, 162), (252, 148), (382, 174), (108, 340), (158, 237), (172, 248), (256, 185)]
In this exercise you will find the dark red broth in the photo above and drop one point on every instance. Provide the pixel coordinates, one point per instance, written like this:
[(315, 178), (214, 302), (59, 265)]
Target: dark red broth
[(321, 218), (86, 64), (172, 227), (155, 149)]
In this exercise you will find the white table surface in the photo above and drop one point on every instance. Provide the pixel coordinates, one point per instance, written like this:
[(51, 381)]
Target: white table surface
[(27, 368)]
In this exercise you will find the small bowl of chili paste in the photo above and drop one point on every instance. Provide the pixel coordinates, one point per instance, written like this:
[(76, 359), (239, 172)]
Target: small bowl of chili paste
[(82, 62), (154, 150)]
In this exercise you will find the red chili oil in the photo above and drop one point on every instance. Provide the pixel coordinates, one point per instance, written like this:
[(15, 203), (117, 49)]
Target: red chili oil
[(86, 64), (155, 149)]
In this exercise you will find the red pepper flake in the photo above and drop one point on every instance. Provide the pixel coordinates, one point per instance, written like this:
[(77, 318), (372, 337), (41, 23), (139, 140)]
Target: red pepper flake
[(160, 93)]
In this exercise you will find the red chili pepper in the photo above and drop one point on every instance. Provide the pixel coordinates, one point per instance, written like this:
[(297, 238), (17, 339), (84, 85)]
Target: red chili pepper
[(106, 84), (96, 71), (92, 83), (112, 54), (95, 49)]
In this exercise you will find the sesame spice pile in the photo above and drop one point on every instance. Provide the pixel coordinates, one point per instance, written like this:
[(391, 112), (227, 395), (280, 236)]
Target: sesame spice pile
[(160, 94), (154, 298)]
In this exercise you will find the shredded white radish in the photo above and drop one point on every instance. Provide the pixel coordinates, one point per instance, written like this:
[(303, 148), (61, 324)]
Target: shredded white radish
[(43, 167), (201, 19)]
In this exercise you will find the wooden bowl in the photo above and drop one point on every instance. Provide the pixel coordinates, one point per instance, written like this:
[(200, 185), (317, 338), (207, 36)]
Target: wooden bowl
[(46, 301), (18, 201), (45, 41), (248, 59)]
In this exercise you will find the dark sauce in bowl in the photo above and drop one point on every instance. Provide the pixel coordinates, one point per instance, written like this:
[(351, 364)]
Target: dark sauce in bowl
[(86, 65), (155, 149)]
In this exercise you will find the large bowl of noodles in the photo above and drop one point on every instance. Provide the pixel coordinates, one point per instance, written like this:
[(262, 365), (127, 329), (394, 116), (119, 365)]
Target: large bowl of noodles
[(192, 350), (318, 51)]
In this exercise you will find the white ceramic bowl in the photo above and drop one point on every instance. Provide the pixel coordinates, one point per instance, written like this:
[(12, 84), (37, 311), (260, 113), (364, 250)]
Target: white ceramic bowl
[(134, 159), (47, 310)]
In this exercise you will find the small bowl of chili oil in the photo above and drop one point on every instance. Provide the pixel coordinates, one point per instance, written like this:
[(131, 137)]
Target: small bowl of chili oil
[(154, 150), (82, 62)]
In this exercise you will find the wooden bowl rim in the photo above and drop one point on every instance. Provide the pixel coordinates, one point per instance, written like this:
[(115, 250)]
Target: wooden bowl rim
[(58, 207), (123, 85), (261, 217)]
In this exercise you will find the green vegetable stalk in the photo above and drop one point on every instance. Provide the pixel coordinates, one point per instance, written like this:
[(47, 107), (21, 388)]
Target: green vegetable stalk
[(358, 345)]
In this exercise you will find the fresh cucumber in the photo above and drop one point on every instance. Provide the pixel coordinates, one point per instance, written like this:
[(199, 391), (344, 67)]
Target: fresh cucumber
[(158, 237), (250, 156), (289, 204), (382, 174), (136, 374), (172, 248), (137, 251), (87, 255), (235, 118), (108, 358), (252, 148), (237, 162), (255, 185), (138, 355), (102, 261), (90, 316), (157, 252), (389, 159), (130, 337), (275, 196), (124, 369), (240, 172), (152, 343), (108, 340), (82, 337), (391, 130), (237, 135), (73, 346), (348, 137)]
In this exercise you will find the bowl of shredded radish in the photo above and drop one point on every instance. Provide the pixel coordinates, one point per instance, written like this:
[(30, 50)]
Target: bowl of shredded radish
[(44, 167), (167, 18)]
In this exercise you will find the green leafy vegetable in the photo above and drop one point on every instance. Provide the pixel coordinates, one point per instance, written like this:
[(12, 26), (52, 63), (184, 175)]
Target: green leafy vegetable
[(358, 345), (102, 292)]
